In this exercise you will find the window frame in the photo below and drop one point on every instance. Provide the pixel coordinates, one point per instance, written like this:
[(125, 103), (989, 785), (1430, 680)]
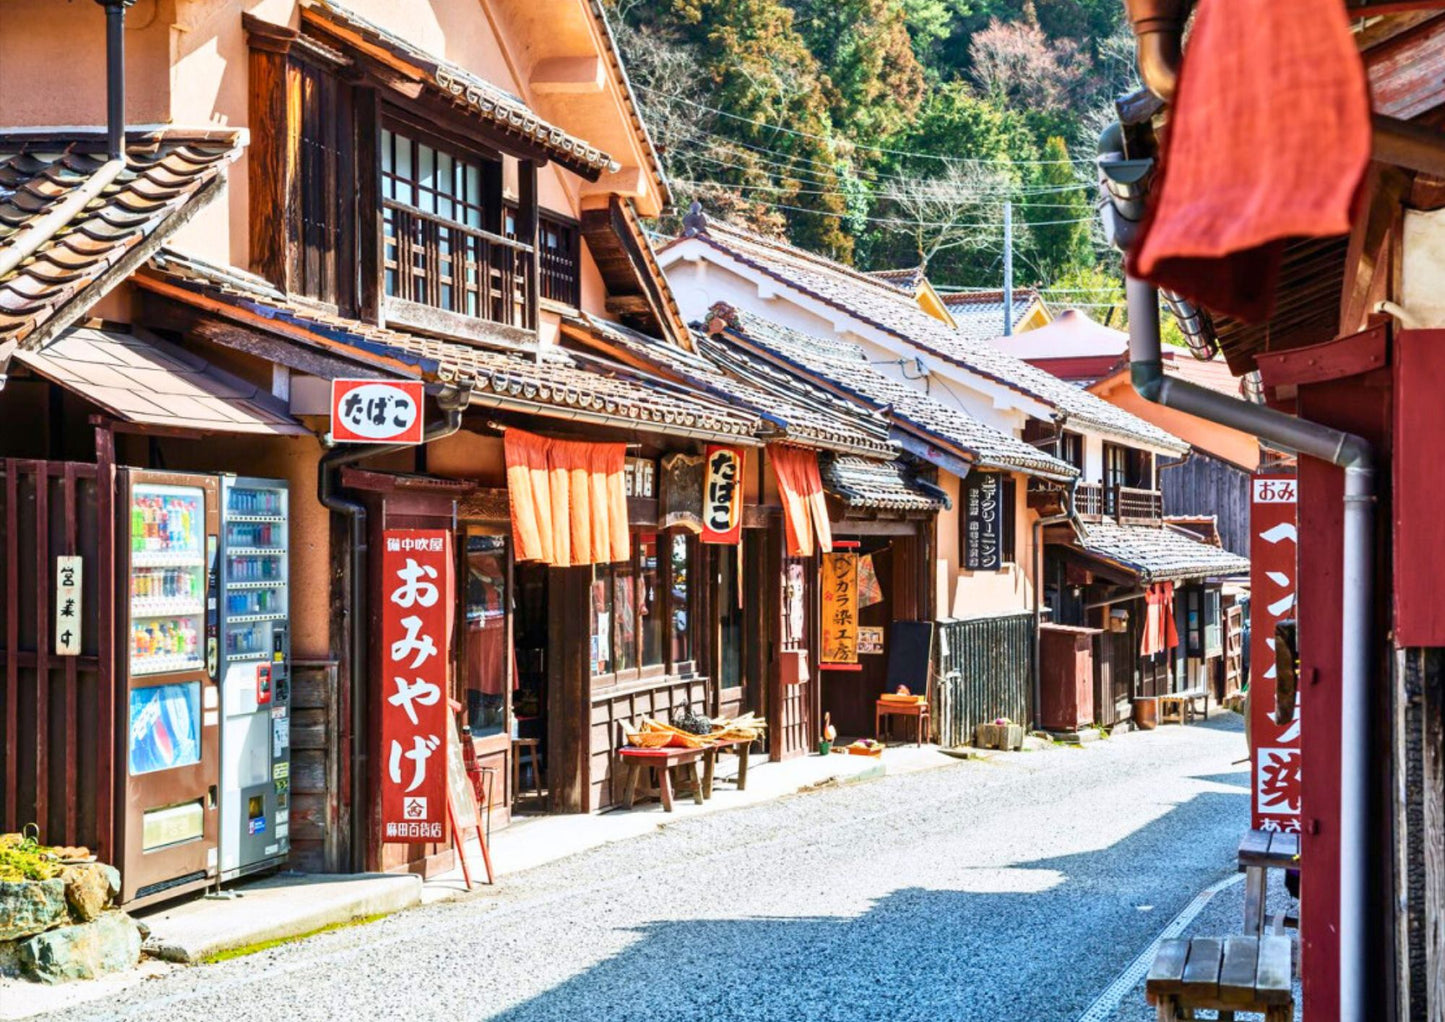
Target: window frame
[(668, 667)]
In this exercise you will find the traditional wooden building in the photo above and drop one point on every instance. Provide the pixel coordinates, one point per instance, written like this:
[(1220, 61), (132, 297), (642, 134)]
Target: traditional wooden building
[(408, 193), (1315, 258)]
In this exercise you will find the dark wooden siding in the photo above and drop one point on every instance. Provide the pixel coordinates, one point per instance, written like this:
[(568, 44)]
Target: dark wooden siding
[(983, 670), (1205, 485), (58, 711)]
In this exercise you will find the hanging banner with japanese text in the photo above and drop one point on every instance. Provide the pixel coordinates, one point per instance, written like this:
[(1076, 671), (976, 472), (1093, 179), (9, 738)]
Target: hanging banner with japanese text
[(68, 571), (722, 495), (416, 636), (840, 609), (1275, 755), (982, 522)]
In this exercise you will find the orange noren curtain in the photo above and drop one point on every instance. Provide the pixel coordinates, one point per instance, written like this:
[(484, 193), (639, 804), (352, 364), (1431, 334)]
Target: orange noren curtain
[(530, 495), (805, 509), (568, 500), (1269, 139), (1160, 631)]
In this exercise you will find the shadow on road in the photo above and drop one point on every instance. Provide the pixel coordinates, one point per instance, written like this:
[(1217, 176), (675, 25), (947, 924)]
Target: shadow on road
[(917, 953)]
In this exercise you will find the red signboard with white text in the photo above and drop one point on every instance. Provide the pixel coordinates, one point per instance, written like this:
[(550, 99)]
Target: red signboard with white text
[(376, 411), (1275, 761), (416, 638), (722, 495)]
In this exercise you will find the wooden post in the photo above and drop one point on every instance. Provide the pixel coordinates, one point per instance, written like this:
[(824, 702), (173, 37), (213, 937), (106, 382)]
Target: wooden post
[(108, 727), (370, 263), (527, 234)]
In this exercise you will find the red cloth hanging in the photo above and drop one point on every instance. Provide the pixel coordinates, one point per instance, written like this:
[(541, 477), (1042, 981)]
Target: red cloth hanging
[(1160, 630), (1268, 139), (805, 508)]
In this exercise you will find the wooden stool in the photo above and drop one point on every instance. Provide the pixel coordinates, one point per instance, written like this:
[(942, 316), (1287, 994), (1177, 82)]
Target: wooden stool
[(664, 761), (533, 748), (1259, 852), (1223, 974)]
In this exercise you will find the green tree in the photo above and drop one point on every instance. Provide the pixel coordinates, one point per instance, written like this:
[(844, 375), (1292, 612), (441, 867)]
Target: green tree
[(1059, 215)]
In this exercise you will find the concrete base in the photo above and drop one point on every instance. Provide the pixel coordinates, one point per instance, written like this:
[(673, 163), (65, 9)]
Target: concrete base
[(275, 908), (1084, 737)]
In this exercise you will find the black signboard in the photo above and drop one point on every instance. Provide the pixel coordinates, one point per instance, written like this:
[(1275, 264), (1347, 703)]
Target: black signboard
[(983, 521)]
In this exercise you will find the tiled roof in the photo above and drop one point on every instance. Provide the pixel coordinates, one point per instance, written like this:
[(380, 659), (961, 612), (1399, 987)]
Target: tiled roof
[(889, 310), (149, 381), (807, 414), (879, 485), (979, 314), (1159, 552), (561, 384), (844, 366), (168, 176), (489, 102), (907, 280)]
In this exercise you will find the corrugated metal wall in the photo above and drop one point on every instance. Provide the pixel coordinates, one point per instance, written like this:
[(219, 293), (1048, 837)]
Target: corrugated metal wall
[(983, 670)]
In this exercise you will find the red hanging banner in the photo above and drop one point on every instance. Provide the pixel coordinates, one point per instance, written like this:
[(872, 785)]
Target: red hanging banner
[(416, 635), (722, 495), (1275, 749)]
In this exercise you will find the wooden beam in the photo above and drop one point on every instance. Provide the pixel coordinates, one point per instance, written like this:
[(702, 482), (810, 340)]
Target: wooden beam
[(527, 234), (1368, 265)]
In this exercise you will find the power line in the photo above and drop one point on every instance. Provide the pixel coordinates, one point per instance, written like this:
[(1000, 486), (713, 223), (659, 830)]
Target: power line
[(854, 144), (788, 162)]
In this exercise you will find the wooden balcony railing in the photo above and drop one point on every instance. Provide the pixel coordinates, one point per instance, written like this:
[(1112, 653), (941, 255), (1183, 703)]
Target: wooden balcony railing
[(1094, 501), (464, 270)]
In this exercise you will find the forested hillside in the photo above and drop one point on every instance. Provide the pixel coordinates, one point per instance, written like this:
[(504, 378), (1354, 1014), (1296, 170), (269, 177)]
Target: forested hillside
[(890, 132)]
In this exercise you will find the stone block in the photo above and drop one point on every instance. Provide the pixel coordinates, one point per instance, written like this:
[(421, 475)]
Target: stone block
[(109, 943), (30, 906), (87, 890)]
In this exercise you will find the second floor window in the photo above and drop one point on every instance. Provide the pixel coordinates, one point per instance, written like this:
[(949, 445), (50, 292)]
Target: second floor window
[(436, 207)]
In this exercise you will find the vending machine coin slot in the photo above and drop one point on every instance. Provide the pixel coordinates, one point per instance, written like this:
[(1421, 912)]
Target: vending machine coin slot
[(263, 684)]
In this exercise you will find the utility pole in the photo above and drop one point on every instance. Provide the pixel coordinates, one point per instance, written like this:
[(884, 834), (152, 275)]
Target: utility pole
[(1008, 268)]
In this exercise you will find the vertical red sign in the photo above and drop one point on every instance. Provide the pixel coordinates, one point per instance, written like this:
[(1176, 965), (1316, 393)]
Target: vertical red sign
[(722, 495), (416, 635), (1275, 761)]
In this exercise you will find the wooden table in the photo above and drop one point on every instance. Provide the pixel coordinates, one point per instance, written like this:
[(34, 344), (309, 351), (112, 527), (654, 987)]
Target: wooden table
[(1225, 974), (740, 748), (1183, 703), (885, 709), (664, 761), (1259, 852)]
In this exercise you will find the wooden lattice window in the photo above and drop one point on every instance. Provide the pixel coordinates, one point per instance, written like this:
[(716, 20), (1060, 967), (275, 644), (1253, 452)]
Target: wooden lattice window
[(437, 206)]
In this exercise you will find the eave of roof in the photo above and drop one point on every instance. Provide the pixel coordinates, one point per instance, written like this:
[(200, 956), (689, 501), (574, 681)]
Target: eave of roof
[(170, 174), (458, 85), (1158, 553)]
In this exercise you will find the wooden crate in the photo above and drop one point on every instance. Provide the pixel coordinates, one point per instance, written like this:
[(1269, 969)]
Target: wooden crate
[(999, 736)]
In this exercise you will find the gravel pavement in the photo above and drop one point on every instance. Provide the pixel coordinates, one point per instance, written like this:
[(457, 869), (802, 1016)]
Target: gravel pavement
[(1012, 888)]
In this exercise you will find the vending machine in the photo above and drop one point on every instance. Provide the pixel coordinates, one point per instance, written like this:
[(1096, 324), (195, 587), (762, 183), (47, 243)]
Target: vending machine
[(167, 534), (255, 673)]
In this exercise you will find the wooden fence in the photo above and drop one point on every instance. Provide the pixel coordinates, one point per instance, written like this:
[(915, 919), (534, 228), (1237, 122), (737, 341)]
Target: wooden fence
[(58, 715), (983, 670)]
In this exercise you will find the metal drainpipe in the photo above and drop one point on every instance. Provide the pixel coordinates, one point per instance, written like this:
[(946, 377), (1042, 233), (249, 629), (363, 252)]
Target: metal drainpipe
[(1355, 455), (453, 401), (1066, 515)]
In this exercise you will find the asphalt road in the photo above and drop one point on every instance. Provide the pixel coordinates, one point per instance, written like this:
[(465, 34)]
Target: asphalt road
[(1014, 888)]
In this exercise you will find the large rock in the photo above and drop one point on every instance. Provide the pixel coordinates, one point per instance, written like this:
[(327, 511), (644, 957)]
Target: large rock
[(89, 889), (30, 906), (110, 943)]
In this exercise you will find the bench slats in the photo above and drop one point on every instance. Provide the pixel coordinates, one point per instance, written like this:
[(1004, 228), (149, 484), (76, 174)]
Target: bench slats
[(1284, 846), (1201, 971), (1237, 974), (1273, 978), (1253, 848), (1167, 972)]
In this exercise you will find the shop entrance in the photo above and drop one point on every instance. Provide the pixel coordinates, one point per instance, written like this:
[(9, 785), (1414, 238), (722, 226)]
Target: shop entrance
[(887, 583), (530, 700)]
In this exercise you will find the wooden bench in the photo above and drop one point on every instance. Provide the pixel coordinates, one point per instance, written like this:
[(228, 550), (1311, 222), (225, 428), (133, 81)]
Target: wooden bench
[(1183, 703), (1223, 974), (709, 761), (1259, 852), (664, 762)]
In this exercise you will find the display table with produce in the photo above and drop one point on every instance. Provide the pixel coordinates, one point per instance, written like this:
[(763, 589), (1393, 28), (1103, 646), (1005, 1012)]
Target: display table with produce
[(673, 751)]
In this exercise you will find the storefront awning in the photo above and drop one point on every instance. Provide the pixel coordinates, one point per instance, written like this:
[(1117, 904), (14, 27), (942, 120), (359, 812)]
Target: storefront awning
[(866, 484), (1157, 553), (152, 383)]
